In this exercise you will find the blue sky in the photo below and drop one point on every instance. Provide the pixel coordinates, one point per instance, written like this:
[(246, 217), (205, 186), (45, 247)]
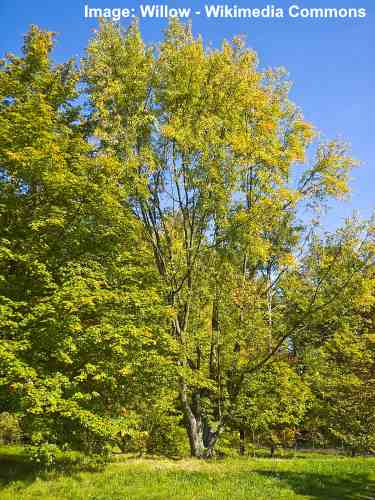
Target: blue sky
[(330, 61)]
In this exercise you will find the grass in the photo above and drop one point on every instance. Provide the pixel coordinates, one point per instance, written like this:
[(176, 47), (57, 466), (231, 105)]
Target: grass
[(312, 477)]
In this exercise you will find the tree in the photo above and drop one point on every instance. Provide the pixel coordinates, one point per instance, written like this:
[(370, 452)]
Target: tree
[(340, 371), (80, 310), (271, 407), (217, 156)]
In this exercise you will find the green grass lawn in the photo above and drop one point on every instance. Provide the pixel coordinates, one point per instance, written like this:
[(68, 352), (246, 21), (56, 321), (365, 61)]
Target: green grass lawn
[(319, 477)]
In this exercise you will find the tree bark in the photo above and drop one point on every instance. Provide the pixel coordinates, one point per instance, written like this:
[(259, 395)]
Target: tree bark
[(242, 442), (195, 434), (202, 437)]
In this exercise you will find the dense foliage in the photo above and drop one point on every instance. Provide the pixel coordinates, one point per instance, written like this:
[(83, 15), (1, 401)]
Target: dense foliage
[(162, 263)]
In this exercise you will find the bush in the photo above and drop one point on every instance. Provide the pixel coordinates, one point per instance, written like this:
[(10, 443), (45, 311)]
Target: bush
[(168, 438), (10, 430), (227, 446), (44, 455)]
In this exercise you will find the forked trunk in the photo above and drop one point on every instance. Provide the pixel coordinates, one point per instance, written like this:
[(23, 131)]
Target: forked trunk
[(202, 437), (195, 433)]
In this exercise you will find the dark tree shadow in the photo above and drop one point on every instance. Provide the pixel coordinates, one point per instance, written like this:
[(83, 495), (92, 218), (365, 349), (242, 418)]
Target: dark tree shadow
[(19, 468), (326, 487), (15, 468)]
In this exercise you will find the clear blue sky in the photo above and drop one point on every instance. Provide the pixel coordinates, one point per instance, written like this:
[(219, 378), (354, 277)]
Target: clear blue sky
[(331, 62)]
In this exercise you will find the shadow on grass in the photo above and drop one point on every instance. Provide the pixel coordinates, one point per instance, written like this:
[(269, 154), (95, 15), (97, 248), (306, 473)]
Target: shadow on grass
[(326, 487), (17, 467)]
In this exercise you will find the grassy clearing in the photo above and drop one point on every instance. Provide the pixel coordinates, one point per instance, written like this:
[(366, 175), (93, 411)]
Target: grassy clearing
[(320, 477)]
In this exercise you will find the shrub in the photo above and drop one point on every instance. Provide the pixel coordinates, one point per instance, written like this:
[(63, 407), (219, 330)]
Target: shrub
[(44, 455), (10, 430), (168, 438)]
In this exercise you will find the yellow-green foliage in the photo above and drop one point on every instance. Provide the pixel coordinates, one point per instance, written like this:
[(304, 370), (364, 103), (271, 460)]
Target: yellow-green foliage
[(153, 257)]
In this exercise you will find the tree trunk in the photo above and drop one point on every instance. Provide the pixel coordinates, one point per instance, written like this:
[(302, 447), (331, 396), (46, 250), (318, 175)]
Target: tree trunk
[(195, 433), (202, 437), (242, 442)]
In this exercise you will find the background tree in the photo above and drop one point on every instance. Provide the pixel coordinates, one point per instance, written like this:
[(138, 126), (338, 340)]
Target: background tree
[(272, 406), (341, 370)]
